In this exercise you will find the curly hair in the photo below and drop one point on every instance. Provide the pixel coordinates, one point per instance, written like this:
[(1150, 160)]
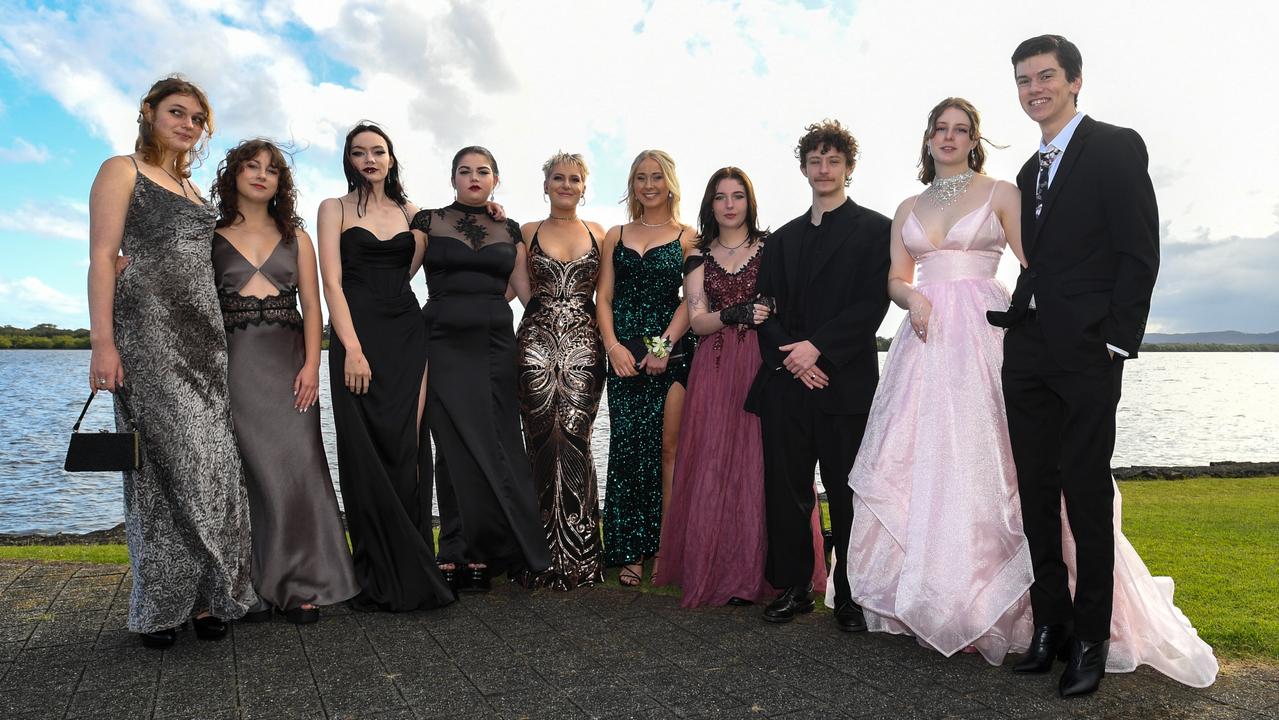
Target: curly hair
[(828, 135), (147, 143), (282, 207), (708, 226)]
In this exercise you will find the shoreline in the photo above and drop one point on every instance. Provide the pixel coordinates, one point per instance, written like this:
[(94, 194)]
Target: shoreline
[(1222, 469)]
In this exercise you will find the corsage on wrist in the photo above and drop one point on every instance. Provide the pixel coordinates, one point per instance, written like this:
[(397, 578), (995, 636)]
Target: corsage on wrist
[(657, 346)]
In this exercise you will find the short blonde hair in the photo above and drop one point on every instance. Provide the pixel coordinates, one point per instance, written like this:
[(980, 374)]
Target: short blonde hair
[(563, 158), (667, 164)]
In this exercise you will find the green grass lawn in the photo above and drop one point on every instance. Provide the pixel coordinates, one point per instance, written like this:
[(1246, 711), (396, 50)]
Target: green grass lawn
[(1218, 539)]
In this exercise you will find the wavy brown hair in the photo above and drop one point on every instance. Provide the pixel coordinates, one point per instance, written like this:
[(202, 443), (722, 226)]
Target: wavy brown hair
[(976, 158), (149, 145), (708, 226), (282, 207)]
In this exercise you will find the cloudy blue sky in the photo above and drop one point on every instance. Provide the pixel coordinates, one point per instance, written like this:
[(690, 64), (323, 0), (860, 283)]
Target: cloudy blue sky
[(713, 83)]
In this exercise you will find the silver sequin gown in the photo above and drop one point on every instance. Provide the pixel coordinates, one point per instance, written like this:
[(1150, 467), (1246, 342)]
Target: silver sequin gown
[(186, 511)]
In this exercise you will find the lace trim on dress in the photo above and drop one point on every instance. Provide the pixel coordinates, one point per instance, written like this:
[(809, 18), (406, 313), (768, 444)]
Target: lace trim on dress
[(241, 311)]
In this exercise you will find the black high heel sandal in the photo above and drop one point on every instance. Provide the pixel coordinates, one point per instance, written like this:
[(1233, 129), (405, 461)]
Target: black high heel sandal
[(159, 639), (209, 627), (477, 580), (302, 616)]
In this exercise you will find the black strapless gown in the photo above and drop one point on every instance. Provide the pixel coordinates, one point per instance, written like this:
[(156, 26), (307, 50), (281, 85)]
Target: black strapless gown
[(388, 509), (488, 506)]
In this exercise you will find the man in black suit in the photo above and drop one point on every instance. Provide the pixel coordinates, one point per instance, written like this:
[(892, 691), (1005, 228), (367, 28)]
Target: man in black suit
[(828, 272), (1090, 227)]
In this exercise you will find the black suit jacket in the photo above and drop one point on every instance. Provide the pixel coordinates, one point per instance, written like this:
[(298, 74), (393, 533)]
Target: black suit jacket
[(1093, 253), (847, 289)]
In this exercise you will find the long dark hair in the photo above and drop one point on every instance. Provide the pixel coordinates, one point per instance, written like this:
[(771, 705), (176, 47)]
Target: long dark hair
[(282, 207), (708, 226), (146, 142), (360, 184)]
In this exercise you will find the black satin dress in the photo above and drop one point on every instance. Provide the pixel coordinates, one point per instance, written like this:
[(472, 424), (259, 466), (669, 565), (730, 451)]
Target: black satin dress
[(299, 550), (488, 506), (388, 511)]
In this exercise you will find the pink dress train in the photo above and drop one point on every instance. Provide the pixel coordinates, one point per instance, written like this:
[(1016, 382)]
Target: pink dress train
[(713, 539), (937, 547)]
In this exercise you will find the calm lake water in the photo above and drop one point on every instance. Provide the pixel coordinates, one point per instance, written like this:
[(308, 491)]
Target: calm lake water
[(1178, 409)]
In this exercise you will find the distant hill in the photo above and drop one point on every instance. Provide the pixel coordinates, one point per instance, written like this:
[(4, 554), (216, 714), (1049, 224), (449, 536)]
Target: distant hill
[(1221, 337)]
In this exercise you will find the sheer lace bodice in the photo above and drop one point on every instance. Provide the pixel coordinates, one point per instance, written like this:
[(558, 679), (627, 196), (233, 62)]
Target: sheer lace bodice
[(468, 252)]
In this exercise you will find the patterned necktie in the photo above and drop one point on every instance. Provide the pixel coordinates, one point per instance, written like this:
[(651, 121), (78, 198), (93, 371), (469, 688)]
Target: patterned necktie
[(1045, 166)]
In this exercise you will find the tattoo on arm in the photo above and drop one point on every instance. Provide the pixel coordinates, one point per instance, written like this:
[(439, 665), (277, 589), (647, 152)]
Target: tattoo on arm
[(697, 301)]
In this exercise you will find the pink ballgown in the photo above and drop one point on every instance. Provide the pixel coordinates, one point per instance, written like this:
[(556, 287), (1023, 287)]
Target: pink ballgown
[(937, 546)]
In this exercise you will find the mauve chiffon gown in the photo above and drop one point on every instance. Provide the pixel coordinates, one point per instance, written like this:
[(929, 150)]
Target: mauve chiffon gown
[(940, 550), (714, 539), (299, 547)]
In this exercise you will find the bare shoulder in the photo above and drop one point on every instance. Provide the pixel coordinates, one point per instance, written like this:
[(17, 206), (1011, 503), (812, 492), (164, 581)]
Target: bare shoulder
[(119, 168), (302, 237), (528, 229), (613, 235), (1006, 194), (688, 238), (596, 229), (905, 207), (411, 209)]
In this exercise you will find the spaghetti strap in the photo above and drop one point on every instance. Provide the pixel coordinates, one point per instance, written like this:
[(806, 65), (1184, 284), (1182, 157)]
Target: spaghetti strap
[(342, 209), (534, 241), (405, 213), (993, 186), (134, 161), (588, 232)]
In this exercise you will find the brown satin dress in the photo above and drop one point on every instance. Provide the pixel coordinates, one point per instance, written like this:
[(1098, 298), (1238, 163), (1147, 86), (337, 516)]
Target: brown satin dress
[(300, 553)]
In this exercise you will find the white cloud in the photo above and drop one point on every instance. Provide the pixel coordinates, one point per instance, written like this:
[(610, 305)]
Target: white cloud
[(29, 301), (713, 83), (23, 152), (54, 218)]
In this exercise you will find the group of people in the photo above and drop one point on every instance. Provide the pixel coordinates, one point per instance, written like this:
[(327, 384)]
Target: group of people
[(969, 491)]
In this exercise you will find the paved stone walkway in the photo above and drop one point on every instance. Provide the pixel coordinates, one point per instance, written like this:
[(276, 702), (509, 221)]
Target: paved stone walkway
[(590, 653)]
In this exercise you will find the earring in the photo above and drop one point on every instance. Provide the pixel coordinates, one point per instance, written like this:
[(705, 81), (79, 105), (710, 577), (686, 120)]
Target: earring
[(929, 148), (583, 200), (546, 197), (972, 155)]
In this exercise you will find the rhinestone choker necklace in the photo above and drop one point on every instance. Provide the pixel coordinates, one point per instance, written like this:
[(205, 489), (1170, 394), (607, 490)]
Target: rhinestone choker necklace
[(944, 191)]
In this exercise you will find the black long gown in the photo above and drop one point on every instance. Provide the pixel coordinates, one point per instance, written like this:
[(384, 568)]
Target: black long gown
[(488, 508), (388, 511)]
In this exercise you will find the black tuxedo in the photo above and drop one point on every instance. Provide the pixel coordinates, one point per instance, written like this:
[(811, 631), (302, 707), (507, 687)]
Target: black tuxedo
[(830, 283), (1092, 255)]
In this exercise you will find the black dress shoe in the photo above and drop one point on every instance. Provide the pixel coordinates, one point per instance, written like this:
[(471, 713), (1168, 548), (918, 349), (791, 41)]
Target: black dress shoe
[(795, 601), (302, 616), (1085, 668), (739, 602), (159, 639), (209, 627), (1047, 644), (477, 580), (849, 617)]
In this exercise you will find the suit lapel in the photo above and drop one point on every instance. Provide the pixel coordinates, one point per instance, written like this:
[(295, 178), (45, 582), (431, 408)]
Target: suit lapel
[(844, 221), (1062, 176)]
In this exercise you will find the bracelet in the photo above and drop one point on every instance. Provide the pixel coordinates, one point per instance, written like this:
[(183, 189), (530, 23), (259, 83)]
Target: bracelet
[(610, 347)]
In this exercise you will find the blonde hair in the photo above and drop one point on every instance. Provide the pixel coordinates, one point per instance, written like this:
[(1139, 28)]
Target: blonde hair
[(664, 161), (563, 158)]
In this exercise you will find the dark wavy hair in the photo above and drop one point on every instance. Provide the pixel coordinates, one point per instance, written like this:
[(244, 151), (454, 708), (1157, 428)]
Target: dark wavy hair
[(282, 207), (356, 181), (708, 226), (828, 135), (976, 159), (146, 142)]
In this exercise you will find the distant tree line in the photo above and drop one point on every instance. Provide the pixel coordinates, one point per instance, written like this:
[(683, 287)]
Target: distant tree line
[(45, 336)]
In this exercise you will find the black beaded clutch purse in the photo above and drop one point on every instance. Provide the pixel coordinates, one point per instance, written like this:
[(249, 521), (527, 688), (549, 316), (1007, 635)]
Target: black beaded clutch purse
[(101, 451)]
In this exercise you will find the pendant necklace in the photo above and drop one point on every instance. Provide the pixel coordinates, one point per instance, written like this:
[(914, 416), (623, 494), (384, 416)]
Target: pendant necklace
[(733, 248), (944, 191)]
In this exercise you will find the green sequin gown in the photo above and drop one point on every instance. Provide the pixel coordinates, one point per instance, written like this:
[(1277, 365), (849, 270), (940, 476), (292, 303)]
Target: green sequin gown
[(645, 296)]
